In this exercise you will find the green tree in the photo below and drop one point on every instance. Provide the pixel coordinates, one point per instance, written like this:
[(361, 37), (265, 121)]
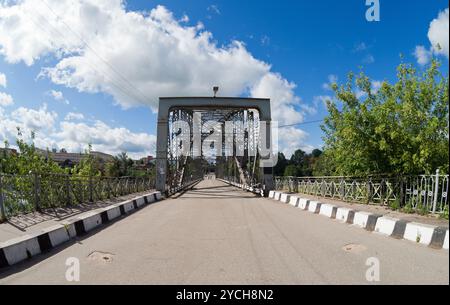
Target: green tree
[(89, 166), (28, 160), (279, 168), (401, 128), (291, 171)]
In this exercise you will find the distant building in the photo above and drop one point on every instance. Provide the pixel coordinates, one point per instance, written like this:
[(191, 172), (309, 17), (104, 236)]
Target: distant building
[(144, 163), (65, 159), (8, 151)]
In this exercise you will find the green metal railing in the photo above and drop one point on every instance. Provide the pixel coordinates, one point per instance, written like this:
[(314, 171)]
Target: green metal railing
[(37, 192), (425, 192)]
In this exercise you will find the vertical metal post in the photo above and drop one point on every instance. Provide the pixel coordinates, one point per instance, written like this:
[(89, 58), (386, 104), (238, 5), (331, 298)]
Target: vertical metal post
[(436, 190), (68, 190), (91, 189), (37, 192), (2, 207)]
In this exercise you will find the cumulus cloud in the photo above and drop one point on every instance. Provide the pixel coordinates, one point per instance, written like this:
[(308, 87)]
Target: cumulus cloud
[(72, 136), (280, 90), (369, 59), (136, 57), (40, 119), (291, 139), (438, 34), (2, 80), (422, 55), (58, 96), (74, 116), (317, 100), (6, 99)]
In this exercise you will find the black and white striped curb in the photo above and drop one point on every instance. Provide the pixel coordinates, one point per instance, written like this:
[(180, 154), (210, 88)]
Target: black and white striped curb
[(19, 249), (432, 236)]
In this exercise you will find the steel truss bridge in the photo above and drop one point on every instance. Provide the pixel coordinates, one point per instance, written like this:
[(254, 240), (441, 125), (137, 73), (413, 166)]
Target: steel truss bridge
[(228, 136)]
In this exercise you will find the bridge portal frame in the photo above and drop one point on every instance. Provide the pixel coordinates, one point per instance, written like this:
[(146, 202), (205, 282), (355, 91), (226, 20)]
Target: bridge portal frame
[(197, 103)]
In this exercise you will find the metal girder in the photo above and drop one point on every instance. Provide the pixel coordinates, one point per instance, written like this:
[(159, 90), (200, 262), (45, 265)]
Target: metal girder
[(175, 170)]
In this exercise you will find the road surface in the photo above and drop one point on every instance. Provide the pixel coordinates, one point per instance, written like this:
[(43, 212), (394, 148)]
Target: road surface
[(217, 234)]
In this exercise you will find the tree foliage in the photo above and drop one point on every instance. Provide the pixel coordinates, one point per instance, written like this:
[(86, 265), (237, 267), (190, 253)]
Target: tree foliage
[(402, 128)]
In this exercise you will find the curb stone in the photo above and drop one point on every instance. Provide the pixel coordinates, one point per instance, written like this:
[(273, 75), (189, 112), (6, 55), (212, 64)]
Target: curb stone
[(24, 247), (431, 236)]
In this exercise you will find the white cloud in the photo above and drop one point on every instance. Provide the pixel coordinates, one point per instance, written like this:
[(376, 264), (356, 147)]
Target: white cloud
[(104, 138), (214, 9), (74, 116), (369, 59), (72, 136), (322, 99), (376, 85), (438, 34), (422, 55), (58, 96), (308, 109), (332, 79), (32, 119), (281, 92), (291, 139), (6, 99), (136, 57), (360, 47), (3, 80)]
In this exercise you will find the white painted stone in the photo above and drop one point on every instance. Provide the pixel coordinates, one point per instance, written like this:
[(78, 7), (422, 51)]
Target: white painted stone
[(419, 233), (17, 249), (271, 194), (277, 196), (303, 203), (113, 212), (150, 198), (445, 245), (61, 233), (361, 219), (128, 206), (342, 214), (158, 196), (294, 200), (285, 198), (385, 225), (313, 206), (91, 222), (140, 201), (327, 210)]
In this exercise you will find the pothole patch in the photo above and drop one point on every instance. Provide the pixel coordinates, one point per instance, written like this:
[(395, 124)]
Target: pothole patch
[(101, 257), (354, 248)]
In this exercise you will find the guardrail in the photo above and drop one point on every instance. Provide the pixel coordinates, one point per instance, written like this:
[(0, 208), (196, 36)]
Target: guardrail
[(423, 192), (38, 192)]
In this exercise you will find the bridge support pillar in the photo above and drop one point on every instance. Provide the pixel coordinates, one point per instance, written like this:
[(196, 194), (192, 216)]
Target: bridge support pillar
[(161, 154)]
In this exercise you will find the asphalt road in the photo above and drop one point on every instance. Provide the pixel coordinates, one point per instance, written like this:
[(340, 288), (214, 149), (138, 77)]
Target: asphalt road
[(217, 234)]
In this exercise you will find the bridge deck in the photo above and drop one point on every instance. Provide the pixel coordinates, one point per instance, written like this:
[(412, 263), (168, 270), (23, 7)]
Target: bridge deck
[(217, 234)]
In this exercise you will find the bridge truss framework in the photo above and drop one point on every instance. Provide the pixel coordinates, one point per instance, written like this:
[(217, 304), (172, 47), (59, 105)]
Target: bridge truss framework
[(184, 155)]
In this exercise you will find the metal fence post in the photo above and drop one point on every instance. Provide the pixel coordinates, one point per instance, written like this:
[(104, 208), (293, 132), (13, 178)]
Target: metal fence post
[(68, 190), (2, 207), (436, 190), (91, 190), (37, 192)]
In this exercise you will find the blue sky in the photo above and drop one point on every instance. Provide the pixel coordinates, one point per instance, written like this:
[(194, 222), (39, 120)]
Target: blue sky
[(282, 43)]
